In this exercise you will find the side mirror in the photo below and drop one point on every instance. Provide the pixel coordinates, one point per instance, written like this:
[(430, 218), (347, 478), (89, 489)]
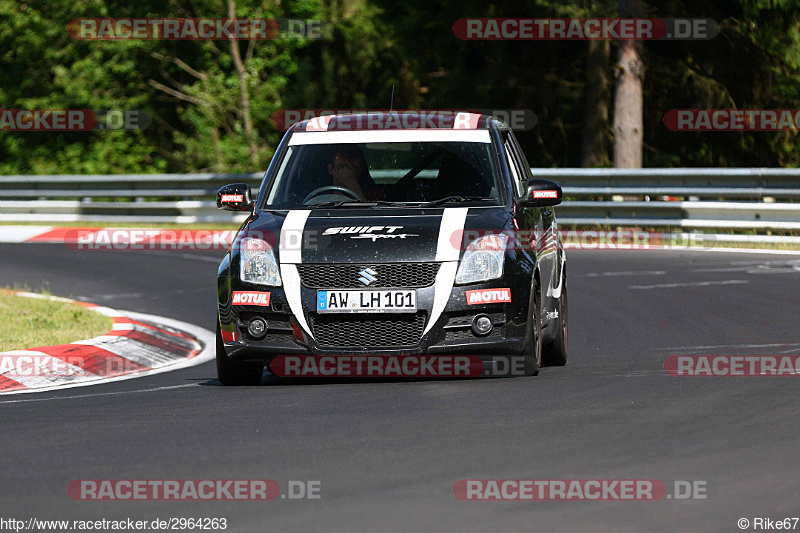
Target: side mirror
[(235, 197), (542, 193)]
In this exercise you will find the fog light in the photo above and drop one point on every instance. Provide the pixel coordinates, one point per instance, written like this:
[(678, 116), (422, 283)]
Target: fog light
[(257, 327), (482, 325)]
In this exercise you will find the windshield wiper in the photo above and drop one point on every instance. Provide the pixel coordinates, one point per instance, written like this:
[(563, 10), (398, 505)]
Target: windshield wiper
[(449, 199), (332, 204), (354, 203), (386, 202)]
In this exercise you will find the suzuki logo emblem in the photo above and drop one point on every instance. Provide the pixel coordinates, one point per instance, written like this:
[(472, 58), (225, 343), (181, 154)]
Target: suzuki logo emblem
[(367, 276)]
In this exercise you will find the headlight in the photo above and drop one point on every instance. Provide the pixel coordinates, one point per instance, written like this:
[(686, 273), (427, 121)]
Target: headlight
[(483, 260), (257, 263)]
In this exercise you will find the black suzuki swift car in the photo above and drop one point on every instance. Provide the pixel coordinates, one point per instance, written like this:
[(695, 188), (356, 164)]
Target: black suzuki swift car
[(393, 234)]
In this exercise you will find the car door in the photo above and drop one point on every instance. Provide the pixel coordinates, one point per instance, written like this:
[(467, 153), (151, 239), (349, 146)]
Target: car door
[(540, 220)]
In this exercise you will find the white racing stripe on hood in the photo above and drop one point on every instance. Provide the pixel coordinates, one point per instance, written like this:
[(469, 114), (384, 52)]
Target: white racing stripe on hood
[(291, 243), (291, 286), (451, 233), (448, 250), (291, 253)]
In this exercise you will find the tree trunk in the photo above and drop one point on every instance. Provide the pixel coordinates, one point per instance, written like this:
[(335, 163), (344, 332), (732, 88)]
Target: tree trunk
[(220, 165), (628, 104), (595, 116), (244, 90)]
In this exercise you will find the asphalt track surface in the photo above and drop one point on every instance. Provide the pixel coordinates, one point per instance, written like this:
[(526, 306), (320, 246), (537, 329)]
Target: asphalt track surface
[(388, 453)]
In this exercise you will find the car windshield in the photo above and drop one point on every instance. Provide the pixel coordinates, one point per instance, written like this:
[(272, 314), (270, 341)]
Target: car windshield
[(392, 173)]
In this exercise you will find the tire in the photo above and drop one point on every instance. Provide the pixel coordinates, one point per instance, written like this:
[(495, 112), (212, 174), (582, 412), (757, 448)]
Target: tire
[(532, 353), (555, 353), (236, 372)]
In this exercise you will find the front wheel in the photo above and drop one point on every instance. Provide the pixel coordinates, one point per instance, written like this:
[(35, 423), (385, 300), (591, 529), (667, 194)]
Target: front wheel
[(236, 372), (555, 353), (532, 354)]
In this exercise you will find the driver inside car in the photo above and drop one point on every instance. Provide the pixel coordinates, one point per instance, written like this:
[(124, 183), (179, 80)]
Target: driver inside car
[(348, 169)]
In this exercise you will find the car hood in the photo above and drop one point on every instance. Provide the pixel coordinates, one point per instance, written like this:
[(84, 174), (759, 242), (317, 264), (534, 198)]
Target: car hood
[(374, 235)]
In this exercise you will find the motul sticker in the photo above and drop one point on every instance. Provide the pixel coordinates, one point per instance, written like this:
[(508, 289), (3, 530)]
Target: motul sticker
[(488, 296), (545, 194), (250, 298), (232, 198)]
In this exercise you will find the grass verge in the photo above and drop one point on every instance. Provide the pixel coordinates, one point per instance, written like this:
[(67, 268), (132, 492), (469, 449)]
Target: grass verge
[(30, 322)]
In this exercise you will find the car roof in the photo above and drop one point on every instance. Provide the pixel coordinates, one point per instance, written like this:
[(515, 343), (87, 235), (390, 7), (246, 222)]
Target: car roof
[(400, 120)]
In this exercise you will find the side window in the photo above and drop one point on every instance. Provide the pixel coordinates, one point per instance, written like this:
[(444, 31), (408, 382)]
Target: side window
[(526, 167), (517, 175)]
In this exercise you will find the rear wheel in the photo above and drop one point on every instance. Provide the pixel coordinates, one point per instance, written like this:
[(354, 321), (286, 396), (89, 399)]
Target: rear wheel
[(236, 372), (555, 353), (532, 355)]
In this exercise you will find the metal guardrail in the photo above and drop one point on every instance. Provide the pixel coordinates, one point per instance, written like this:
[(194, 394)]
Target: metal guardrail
[(710, 199), (149, 198), (750, 183), (732, 199)]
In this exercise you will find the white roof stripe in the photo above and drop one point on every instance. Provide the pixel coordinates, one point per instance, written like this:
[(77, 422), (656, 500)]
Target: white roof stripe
[(466, 121), (387, 136), (319, 123)]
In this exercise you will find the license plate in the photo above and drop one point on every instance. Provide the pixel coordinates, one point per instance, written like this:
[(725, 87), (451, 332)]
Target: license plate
[(366, 301)]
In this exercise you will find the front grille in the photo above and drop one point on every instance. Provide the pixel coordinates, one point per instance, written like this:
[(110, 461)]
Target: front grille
[(389, 275), (388, 331)]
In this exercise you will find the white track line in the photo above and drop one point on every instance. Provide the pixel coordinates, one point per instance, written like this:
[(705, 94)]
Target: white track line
[(688, 249), (734, 251), (690, 284), (623, 273), (718, 346), (96, 394)]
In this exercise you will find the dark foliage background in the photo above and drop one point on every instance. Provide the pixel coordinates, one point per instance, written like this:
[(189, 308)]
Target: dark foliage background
[(193, 89)]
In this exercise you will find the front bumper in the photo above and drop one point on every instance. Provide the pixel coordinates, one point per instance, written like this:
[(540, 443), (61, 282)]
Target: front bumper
[(451, 334)]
